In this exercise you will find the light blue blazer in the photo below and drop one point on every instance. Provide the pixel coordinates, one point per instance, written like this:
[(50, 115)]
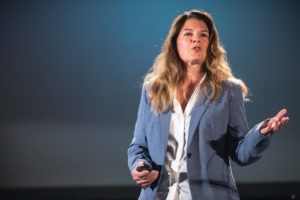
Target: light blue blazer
[(218, 131)]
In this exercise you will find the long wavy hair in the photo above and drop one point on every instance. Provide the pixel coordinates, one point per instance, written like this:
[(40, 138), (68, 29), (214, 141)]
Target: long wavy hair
[(168, 68)]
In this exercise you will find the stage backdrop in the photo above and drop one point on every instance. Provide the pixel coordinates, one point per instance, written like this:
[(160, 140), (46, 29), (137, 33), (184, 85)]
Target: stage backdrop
[(71, 74)]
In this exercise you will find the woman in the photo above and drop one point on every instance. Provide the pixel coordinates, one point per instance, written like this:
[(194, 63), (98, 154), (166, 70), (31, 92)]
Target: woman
[(191, 118)]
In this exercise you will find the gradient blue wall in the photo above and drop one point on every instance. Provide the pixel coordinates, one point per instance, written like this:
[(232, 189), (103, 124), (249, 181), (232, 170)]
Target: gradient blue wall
[(70, 76)]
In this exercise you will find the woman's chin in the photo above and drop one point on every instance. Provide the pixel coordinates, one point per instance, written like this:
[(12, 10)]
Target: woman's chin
[(197, 62)]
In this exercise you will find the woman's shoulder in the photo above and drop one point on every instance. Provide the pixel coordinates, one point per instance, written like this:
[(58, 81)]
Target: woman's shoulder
[(235, 86), (145, 92), (232, 83)]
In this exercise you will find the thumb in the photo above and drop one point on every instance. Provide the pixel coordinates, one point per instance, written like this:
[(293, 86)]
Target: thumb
[(266, 127)]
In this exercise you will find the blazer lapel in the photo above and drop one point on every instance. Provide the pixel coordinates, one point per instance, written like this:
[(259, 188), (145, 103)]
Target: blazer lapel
[(197, 114), (165, 125)]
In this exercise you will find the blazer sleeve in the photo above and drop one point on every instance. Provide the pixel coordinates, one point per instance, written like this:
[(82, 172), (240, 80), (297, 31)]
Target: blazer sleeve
[(245, 146), (138, 149)]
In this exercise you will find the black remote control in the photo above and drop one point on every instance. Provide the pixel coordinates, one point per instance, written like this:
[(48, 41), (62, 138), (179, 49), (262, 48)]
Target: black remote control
[(144, 167)]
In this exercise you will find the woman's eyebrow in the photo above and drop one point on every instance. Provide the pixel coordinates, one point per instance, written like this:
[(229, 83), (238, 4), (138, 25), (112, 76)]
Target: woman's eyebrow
[(189, 29)]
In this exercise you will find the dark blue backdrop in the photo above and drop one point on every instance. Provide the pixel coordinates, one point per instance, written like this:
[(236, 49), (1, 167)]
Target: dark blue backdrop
[(70, 76)]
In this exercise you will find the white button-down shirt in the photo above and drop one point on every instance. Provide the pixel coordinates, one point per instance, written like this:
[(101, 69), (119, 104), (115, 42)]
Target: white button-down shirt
[(179, 128)]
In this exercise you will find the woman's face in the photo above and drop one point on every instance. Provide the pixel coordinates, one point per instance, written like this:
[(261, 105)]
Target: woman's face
[(192, 42)]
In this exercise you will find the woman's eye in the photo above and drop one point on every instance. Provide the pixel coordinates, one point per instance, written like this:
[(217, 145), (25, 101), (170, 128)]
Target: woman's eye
[(187, 34), (204, 35)]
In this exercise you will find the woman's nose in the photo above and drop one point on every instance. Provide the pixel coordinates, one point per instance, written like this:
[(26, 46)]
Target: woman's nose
[(195, 39)]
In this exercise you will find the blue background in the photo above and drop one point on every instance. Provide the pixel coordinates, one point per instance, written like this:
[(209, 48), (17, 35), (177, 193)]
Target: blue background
[(71, 74)]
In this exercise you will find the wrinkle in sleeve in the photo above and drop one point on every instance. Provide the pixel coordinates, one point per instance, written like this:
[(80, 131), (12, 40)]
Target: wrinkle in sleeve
[(245, 146), (138, 149)]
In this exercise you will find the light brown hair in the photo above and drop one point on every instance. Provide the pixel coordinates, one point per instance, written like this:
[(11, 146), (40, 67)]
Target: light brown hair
[(168, 69)]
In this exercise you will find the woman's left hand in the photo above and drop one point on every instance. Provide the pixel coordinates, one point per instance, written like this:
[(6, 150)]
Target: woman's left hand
[(275, 123)]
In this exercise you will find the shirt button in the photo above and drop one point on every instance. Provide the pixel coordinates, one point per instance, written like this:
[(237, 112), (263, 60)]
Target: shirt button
[(189, 155)]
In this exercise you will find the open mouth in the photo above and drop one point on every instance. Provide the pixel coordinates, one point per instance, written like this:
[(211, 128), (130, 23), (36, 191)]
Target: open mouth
[(196, 48)]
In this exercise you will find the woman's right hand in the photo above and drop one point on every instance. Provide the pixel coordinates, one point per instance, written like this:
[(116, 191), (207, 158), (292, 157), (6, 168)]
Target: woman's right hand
[(145, 177)]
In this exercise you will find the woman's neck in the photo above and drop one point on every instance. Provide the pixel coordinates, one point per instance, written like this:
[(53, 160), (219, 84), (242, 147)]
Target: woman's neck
[(193, 74)]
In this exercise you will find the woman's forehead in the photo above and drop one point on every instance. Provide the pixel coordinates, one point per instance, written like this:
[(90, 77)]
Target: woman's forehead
[(192, 24)]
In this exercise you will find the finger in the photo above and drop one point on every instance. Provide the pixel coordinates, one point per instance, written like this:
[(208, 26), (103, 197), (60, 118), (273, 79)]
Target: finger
[(139, 175), (283, 121), (142, 173), (138, 178), (272, 125), (153, 176), (135, 174), (140, 163), (281, 113), (276, 125), (145, 185), (153, 173), (142, 182)]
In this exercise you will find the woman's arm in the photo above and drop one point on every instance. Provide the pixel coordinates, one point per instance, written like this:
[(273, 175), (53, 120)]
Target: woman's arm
[(138, 153), (138, 149), (245, 146)]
